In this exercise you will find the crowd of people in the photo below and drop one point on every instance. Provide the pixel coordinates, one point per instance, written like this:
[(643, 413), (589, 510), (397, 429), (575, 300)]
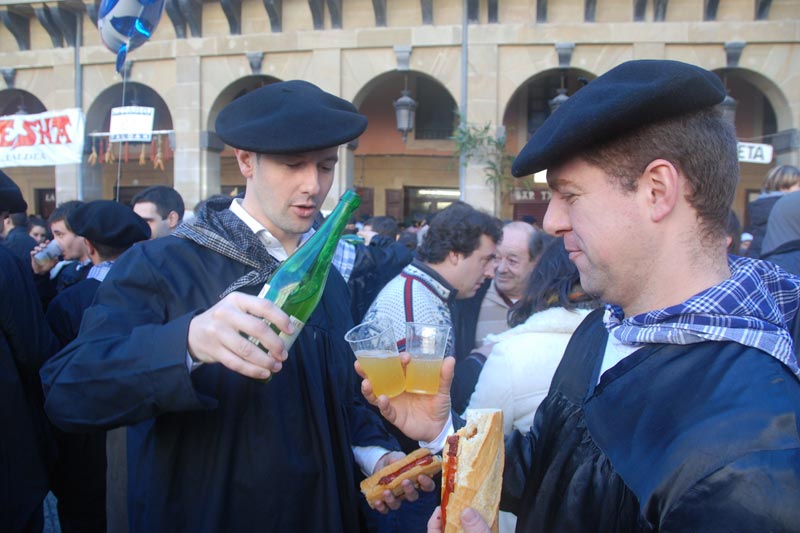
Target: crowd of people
[(647, 375)]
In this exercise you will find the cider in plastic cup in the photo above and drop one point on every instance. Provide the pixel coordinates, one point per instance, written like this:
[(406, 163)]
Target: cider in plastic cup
[(383, 370), (426, 344), (375, 347), (422, 375)]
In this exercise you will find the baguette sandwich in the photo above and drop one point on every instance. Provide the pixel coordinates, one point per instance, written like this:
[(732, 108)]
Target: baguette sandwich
[(473, 469), (391, 476)]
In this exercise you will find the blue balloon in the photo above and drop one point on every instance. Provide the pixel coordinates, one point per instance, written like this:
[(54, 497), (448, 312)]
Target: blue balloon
[(126, 24)]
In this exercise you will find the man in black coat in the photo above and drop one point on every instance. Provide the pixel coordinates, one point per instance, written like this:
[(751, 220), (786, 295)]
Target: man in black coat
[(163, 349), (79, 476), (16, 236), (676, 408), (26, 448)]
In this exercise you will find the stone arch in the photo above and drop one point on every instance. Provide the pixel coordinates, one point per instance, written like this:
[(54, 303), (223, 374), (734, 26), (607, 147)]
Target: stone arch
[(389, 171), (527, 108), (753, 89), (18, 101), (219, 156), (131, 166), (376, 98), (233, 91)]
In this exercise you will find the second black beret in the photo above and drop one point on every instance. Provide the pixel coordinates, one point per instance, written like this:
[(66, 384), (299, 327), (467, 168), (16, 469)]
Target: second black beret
[(629, 96), (109, 223)]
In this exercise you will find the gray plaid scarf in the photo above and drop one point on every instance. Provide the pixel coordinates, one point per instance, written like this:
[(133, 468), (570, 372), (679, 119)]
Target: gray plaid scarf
[(217, 228)]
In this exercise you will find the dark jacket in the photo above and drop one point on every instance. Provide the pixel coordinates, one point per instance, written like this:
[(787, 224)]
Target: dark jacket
[(786, 256), (701, 437), (374, 267), (757, 215), (26, 448), (212, 450), (21, 244)]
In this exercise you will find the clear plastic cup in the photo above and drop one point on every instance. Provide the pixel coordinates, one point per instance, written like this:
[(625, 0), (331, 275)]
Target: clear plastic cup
[(426, 344), (375, 347), (48, 253)]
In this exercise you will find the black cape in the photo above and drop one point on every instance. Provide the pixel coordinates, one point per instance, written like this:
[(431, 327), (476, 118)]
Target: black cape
[(701, 437), (214, 450), (26, 448), (78, 478), (65, 311)]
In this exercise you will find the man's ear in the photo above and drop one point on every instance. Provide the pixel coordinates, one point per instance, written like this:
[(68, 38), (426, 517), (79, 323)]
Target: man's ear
[(661, 183), (173, 219), (246, 161), (453, 258), (90, 249)]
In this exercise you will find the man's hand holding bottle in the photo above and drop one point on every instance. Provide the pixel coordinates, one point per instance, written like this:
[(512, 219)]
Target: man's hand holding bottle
[(219, 335)]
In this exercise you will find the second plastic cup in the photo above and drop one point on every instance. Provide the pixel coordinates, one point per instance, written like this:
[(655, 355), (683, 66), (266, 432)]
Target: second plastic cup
[(426, 344), (374, 344)]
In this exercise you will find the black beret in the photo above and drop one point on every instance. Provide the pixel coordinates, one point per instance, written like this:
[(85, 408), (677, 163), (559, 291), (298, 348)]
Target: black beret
[(109, 223), (289, 117), (631, 95), (10, 196)]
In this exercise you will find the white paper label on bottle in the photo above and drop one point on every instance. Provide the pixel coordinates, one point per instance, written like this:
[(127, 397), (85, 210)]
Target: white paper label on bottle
[(297, 324), (288, 340)]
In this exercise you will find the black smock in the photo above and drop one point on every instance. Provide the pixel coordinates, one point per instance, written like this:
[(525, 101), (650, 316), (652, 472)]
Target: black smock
[(78, 479), (26, 448), (65, 311), (213, 450), (702, 437)]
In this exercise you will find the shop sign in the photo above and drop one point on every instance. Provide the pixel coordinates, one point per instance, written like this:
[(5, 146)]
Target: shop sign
[(755, 153), (519, 196)]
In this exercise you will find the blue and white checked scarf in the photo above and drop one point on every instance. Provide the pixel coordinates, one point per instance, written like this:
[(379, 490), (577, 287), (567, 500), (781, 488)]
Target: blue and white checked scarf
[(100, 271), (344, 258), (754, 307)]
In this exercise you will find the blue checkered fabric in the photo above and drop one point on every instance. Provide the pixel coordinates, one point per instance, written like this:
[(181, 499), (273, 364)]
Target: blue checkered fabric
[(754, 307), (344, 258)]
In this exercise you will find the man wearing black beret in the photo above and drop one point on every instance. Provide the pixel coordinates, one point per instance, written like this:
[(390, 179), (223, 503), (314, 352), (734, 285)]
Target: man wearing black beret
[(676, 407), (78, 478), (26, 447), (164, 348)]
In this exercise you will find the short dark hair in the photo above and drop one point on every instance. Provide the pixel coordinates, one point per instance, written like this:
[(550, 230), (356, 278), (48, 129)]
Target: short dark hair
[(166, 199), (108, 252), (734, 230), (539, 241), (554, 282), (457, 228), (62, 212), (701, 145), (34, 220), (386, 226), (408, 239)]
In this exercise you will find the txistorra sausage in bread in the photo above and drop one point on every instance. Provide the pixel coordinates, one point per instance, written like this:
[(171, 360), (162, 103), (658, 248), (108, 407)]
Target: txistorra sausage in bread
[(390, 477), (472, 474)]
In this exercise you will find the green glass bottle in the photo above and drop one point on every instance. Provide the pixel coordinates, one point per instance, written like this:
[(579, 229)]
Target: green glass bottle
[(297, 285)]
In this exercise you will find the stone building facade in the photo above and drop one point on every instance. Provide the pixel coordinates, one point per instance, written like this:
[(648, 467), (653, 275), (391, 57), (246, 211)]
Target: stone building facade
[(519, 54)]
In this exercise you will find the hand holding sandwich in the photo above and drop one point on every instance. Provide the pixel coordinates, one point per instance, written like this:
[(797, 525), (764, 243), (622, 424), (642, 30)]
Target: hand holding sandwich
[(397, 477), (419, 416), (471, 522)]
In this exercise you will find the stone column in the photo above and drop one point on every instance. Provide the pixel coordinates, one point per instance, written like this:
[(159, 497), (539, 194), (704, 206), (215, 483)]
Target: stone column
[(482, 108), (191, 178)]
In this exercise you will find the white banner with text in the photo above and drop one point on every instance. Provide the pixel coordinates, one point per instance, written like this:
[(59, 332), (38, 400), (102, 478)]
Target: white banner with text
[(43, 139)]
